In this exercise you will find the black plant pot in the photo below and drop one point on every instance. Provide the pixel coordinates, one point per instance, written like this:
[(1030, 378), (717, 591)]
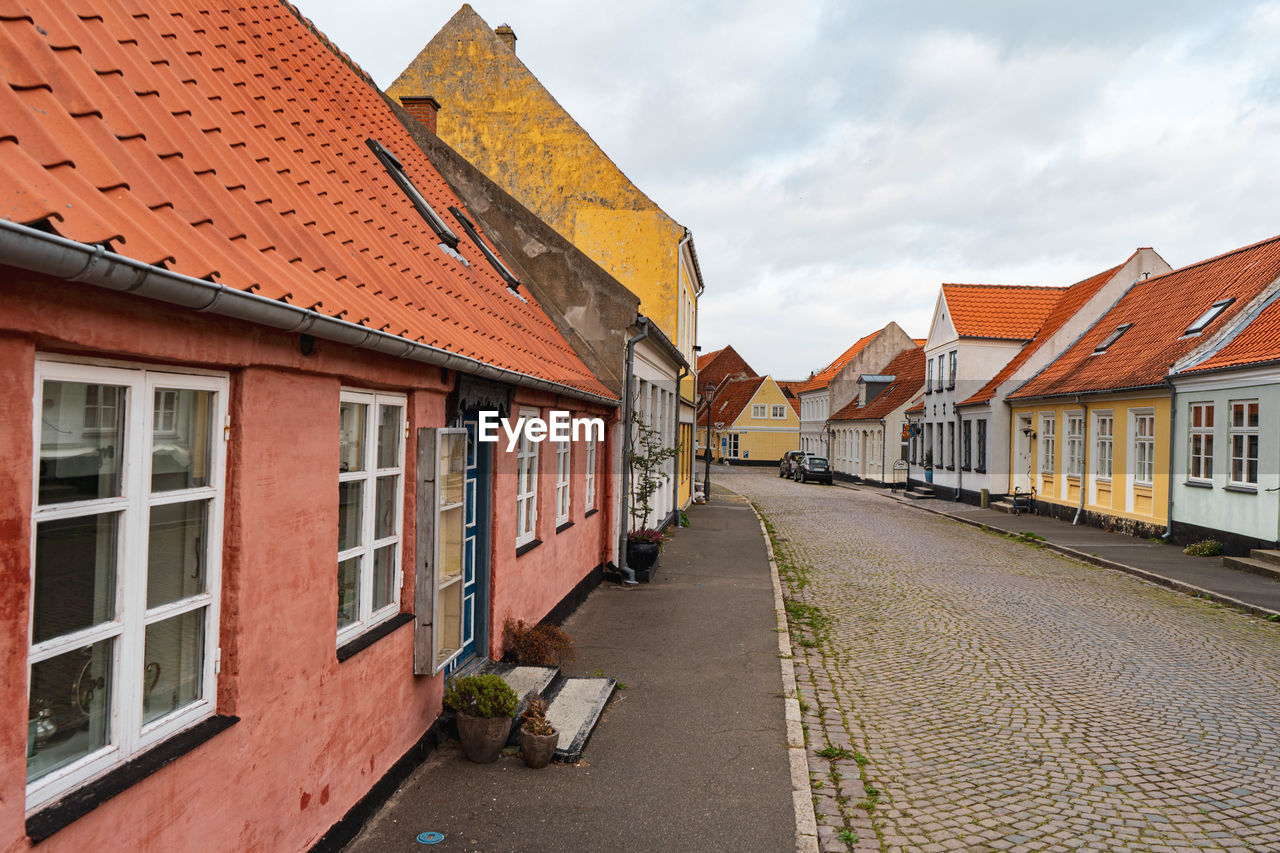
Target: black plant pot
[(641, 557)]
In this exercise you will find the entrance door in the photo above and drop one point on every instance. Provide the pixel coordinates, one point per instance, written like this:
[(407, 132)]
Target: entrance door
[(477, 488), (1022, 439)]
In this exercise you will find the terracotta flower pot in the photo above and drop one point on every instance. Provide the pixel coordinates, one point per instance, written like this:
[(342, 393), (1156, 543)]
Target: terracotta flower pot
[(538, 750), (482, 738)]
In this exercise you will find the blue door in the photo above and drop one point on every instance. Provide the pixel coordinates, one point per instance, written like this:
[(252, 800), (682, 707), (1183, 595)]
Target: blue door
[(475, 550)]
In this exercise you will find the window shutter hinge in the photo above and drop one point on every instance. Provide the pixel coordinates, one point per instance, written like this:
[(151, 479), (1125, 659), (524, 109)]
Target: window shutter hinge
[(226, 428), (217, 662)]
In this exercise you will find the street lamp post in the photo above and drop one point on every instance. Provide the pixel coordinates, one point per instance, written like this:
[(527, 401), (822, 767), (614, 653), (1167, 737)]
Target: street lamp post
[(708, 397)]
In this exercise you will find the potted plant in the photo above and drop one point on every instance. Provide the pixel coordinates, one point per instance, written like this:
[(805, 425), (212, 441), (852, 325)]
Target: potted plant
[(485, 705), (928, 466), (538, 738), (642, 550)]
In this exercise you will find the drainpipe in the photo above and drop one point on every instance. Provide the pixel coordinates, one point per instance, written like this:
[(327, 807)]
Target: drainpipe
[(628, 575), (675, 481), (37, 251), (960, 459), (1084, 459), (1168, 486), (882, 443)]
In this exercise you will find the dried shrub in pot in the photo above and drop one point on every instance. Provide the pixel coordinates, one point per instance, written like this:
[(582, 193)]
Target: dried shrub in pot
[(536, 645)]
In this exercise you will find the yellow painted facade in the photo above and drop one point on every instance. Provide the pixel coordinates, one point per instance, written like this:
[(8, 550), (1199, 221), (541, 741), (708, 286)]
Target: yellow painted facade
[(1136, 488), (761, 439), (497, 114)]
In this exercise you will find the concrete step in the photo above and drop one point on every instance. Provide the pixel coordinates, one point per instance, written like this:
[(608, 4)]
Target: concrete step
[(1266, 568), (1272, 557), (575, 708), (919, 493), (525, 681), (1003, 506)]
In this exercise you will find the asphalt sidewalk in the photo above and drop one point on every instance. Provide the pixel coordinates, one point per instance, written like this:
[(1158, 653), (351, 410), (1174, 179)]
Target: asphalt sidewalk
[(1156, 562), (692, 755)]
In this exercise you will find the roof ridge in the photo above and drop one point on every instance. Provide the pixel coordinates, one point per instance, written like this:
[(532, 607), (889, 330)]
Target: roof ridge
[(1215, 258)]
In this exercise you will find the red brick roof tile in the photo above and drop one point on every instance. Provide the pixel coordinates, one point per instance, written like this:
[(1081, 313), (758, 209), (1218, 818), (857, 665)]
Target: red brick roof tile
[(1160, 309), (1257, 343), (227, 141), (714, 367), (823, 377), (999, 311), (907, 368), (731, 399)]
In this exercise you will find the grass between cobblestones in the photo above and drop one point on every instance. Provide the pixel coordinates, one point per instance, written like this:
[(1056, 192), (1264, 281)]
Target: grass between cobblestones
[(810, 629)]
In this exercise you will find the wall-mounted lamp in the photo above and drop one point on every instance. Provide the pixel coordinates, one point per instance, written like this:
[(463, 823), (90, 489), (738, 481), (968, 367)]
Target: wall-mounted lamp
[(1028, 432)]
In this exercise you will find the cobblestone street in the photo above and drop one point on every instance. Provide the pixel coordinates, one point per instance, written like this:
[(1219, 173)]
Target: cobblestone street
[(962, 691)]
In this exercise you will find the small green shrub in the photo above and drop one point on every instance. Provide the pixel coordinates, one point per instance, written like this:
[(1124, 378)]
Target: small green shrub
[(481, 696), (1204, 548), (833, 752), (536, 645)]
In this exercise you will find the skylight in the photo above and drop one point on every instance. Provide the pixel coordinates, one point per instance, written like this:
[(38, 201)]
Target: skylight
[(1113, 337), (1208, 316), (474, 233), (396, 170)]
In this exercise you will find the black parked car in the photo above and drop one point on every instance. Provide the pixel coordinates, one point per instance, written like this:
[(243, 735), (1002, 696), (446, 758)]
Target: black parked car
[(787, 465), (813, 468)]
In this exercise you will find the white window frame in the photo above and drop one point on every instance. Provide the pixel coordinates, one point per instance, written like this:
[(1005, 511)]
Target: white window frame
[(366, 616), (127, 735), (1200, 429), (589, 476), (951, 369), (526, 483), (1048, 443), (777, 412), (1075, 444), (928, 378), (439, 581), (1104, 435), (981, 429), (731, 445), (563, 497), (1243, 433), (758, 411), (1144, 447)]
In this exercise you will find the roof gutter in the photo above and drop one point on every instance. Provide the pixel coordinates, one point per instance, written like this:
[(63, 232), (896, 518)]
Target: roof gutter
[(37, 251)]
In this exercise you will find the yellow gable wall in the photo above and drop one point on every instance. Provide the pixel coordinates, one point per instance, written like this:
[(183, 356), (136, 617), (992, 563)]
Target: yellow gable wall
[(766, 439)]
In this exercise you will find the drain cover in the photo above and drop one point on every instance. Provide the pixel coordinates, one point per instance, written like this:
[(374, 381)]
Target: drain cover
[(430, 838)]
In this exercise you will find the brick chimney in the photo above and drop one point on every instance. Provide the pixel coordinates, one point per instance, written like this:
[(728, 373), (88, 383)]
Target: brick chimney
[(423, 108), (508, 37)]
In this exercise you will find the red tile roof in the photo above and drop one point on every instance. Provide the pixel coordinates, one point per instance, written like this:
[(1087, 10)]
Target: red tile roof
[(999, 311), (907, 368), (823, 377), (714, 367), (1071, 301), (226, 141), (1256, 343), (1160, 309), (795, 404), (916, 408), (731, 399)]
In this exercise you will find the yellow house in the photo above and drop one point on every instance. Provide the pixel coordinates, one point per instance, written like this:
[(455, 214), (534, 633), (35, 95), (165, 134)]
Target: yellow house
[(1091, 432), (495, 112), (752, 421)]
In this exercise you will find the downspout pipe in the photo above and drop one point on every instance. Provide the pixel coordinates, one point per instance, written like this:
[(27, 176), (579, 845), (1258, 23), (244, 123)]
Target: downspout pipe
[(960, 461), (883, 438), (675, 432), (1084, 459), (628, 575), (1168, 487), (37, 251)]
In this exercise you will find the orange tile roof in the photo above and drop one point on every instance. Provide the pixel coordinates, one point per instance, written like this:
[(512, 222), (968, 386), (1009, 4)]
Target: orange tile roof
[(999, 311), (1257, 343), (907, 368), (823, 377), (916, 408), (1160, 309), (731, 399), (920, 341), (226, 141), (1071, 301), (714, 367)]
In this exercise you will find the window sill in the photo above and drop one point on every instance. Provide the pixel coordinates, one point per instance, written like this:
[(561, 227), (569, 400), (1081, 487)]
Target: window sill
[(980, 470), (368, 638), (527, 547), (590, 513), (1199, 484), (1243, 489), (78, 803), (563, 527)]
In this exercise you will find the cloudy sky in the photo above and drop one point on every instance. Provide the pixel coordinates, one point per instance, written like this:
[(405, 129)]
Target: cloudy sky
[(837, 160)]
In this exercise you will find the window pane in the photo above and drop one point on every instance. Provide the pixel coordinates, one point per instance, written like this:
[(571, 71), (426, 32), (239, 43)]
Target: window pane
[(75, 574), (350, 498), (351, 418), (449, 633), (173, 675), (68, 708), (1253, 414), (453, 448), (450, 543), (183, 424), (385, 520), (390, 421), (81, 441), (176, 552), (384, 576), (348, 592)]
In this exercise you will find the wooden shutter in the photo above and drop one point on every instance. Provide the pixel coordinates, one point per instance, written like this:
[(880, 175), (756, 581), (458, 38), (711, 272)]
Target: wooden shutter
[(424, 584)]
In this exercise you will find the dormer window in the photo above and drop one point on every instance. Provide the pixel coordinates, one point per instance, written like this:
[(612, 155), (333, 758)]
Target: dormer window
[(395, 169), (1112, 338), (494, 261), (1208, 316)]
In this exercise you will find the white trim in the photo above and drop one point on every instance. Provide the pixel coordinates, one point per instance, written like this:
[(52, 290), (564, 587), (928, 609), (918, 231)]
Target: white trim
[(437, 586), (564, 496), (527, 450)]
